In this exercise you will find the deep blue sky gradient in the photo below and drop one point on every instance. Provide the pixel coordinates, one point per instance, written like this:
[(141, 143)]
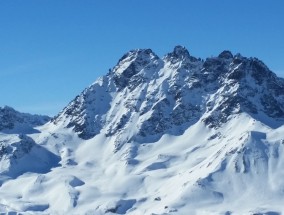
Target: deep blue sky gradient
[(50, 50)]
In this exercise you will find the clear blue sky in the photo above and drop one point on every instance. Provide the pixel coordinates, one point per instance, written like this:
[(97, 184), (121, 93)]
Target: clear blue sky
[(50, 50)]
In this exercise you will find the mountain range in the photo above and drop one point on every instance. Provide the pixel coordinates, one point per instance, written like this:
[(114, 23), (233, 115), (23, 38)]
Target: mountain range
[(170, 135)]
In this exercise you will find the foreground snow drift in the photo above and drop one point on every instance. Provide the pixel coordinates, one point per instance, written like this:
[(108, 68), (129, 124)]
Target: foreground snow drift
[(234, 170)]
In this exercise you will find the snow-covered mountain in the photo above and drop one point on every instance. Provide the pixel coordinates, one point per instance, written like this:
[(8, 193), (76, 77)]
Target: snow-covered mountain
[(145, 97), (12, 121), (18, 152), (171, 135)]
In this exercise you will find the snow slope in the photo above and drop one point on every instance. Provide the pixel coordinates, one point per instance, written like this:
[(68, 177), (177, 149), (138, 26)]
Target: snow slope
[(171, 135)]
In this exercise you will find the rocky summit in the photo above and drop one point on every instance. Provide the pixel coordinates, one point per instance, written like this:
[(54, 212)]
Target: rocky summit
[(156, 135), (163, 96)]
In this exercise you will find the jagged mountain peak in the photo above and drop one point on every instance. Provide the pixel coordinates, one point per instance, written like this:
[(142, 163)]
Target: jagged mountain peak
[(139, 62), (226, 54), (170, 94), (212, 130), (180, 53), (139, 56)]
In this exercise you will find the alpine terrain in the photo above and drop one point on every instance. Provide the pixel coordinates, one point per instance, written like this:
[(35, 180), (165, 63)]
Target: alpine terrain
[(154, 136)]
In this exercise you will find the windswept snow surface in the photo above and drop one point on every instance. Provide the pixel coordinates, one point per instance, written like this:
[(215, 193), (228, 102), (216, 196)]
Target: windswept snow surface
[(237, 168), (176, 135)]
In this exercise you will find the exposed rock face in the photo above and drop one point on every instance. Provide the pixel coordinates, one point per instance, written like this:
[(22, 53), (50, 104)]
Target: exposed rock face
[(144, 96)]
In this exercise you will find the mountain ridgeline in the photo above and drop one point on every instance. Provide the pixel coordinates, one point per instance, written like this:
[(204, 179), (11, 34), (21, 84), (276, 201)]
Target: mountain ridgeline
[(164, 136), (144, 96), (14, 121)]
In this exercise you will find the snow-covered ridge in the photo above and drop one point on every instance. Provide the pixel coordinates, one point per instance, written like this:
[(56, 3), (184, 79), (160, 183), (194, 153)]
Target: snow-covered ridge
[(175, 135), (12, 121), (169, 94)]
